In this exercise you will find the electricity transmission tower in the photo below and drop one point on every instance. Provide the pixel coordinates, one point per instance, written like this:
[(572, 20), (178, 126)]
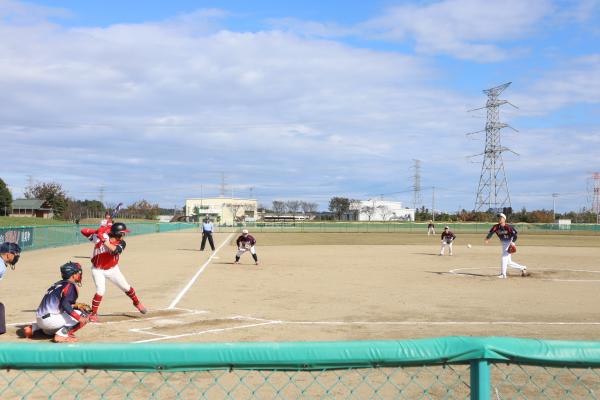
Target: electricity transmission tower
[(492, 192), (417, 184)]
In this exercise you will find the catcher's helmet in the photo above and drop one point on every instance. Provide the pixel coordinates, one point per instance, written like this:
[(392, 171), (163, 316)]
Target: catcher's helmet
[(118, 229), (9, 247), (69, 269)]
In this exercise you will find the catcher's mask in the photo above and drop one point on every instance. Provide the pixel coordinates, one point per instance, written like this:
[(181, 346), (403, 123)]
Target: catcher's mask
[(11, 248), (71, 268), (118, 229)]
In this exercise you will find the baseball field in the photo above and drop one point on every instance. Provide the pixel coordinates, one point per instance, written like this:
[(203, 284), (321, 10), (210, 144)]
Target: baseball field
[(326, 286)]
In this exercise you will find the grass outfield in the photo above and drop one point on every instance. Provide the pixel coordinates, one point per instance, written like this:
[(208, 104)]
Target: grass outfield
[(525, 239)]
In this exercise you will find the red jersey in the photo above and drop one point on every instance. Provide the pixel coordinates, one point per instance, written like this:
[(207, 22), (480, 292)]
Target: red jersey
[(105, 259)]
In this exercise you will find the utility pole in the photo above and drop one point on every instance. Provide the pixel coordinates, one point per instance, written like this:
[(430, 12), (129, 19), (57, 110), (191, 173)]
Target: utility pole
[(596, 196), (433, 203), (222, 184), (554, 196), (492, 192), (417, 184)]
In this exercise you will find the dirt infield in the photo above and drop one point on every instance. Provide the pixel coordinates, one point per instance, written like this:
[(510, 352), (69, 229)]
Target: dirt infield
[(327, 287)]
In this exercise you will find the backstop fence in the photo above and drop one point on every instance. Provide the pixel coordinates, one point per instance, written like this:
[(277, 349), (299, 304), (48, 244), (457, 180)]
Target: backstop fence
[(440, 368), (39, 237)]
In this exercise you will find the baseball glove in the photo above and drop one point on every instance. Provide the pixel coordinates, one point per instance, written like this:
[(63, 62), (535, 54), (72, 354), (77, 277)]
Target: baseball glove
[(84, 308), (512, 248), (248, 246)]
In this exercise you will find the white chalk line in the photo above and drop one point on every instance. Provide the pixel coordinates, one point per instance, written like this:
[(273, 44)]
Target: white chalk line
[(198, 273), (265, 322), (205, 332), (455, 272)]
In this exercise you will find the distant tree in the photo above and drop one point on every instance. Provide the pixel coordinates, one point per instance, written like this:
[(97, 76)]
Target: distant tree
[(369, 211), (143, 209), (292, 206), (339, 206), (51, 192), (384, 211), (5, 199), (308, 207), (278, 207)]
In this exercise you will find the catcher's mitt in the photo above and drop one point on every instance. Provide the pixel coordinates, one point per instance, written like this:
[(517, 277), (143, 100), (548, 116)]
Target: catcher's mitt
[(512, 248), (84, 308)]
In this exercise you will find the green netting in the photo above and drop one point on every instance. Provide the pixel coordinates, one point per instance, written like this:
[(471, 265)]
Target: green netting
[(39, 237), (440, 368), (408, 227)]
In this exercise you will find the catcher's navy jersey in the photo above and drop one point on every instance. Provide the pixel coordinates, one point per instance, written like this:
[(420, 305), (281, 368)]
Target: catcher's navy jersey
[(505, 232), (59, 297)]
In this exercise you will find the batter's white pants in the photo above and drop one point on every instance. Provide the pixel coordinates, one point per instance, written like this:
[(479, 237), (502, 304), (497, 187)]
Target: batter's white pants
[(54, 323), (113, 274), (507, 259), (444, 245), (243, 250)]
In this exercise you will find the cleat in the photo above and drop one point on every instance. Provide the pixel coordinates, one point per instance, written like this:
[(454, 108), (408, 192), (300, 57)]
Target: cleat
[(64, 339), (93, 317), (28, 331), (256, 263), (502, 276), (236, 262), (524, 271), (141, 308)]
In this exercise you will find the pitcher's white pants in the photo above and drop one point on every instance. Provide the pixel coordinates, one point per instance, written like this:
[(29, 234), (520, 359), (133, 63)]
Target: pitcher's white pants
[(444, 245), (507, 259), (113, 274)]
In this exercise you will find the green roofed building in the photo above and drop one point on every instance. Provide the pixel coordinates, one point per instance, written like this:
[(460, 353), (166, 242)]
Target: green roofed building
[(31, 208)]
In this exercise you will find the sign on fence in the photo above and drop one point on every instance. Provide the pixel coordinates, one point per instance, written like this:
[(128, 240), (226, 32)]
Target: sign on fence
[(22, 236)]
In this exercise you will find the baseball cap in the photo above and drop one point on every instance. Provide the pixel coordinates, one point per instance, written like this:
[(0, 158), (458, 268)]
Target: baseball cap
[(244, 231), (501, 215), (9, 247), (446, 227)]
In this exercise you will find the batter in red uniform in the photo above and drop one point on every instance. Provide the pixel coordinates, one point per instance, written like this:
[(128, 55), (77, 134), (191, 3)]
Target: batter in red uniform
[(105, 265)]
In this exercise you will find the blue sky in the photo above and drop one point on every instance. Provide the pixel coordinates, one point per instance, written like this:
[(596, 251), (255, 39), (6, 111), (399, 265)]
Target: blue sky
[(304, 101)]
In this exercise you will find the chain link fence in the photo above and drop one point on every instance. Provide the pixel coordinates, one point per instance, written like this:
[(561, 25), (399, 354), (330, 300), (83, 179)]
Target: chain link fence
[(439, 368)]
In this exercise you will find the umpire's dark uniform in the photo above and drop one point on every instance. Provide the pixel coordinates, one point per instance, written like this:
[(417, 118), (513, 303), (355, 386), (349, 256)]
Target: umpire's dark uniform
[(207, 231)]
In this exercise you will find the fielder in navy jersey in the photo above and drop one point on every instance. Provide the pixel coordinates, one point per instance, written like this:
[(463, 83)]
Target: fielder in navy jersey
[(508, 236), (245, 242), (55, 314)]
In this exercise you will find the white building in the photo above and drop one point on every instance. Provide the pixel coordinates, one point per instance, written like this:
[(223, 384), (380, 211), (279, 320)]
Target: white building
[(383, 210), (223, 210)]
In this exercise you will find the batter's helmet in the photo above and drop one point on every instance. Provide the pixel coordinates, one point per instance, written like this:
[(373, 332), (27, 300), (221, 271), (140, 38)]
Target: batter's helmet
[(118, 229), (69, 269), (9, 247)]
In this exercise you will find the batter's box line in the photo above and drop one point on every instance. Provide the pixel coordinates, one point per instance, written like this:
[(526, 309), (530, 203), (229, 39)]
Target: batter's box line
[(218, 330)]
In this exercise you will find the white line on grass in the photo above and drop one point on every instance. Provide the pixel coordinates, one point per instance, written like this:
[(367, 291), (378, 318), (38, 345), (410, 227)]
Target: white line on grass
[(200, 271)]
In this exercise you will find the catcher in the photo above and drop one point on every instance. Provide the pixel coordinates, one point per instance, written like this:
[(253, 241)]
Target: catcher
[(508, 236), (447, 240), (245, 242), (59, 314)]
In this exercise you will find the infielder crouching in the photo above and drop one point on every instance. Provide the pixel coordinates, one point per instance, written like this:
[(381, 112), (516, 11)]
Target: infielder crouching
[(55, 314), (246, 242), (447, 239), (508, 236)]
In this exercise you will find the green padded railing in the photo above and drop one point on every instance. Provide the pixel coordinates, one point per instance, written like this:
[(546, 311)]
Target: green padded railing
[(39, 237), (440, 368)]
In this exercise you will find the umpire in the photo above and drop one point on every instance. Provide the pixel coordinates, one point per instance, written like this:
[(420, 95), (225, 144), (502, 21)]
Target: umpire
[(207, 231), (9, 255)]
